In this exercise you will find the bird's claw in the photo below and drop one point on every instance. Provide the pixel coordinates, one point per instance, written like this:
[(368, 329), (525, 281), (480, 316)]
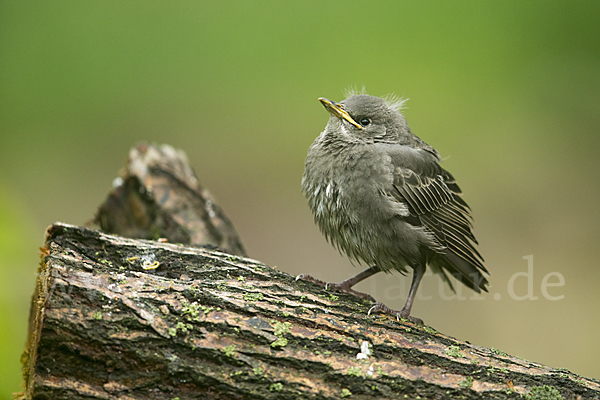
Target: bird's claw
[(400, 315)]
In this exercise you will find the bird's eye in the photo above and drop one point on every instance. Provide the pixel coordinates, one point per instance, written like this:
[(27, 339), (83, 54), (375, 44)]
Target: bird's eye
[(365, 121)]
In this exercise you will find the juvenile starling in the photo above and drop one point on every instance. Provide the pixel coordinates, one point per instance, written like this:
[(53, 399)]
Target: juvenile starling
[(379, 195)]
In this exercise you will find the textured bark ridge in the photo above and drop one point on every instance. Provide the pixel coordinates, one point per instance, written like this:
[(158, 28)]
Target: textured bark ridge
[(117, 318), (159, 196)]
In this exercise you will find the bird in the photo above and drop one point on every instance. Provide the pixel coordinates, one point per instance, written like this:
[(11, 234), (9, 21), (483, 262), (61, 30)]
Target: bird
[(380, 196)]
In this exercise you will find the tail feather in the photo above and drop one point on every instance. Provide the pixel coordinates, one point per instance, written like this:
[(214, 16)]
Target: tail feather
[(462, 270)]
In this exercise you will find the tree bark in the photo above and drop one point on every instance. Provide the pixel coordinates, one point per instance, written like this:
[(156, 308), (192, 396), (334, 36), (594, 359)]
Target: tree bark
[(117, 318), (159, 196)]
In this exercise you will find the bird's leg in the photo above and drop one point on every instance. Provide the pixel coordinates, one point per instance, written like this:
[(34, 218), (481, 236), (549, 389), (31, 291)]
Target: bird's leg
[(346, 286), (417, 276), (361, 276), (418, 273)]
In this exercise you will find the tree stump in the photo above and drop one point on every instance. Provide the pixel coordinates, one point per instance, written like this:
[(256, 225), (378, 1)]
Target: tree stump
[(159, 196)]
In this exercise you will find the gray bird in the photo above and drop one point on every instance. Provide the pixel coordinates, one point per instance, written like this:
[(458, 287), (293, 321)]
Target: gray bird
[(379, 195)]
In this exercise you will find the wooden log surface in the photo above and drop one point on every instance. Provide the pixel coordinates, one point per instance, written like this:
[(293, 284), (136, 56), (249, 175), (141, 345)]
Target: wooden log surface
[(158, 195), (118, 318)]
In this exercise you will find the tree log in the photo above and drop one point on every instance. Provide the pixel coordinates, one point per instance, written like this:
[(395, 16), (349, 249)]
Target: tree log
[(118, 318)]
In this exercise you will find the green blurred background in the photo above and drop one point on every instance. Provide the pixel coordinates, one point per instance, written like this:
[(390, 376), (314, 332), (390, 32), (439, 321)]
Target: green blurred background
[(508, 92)]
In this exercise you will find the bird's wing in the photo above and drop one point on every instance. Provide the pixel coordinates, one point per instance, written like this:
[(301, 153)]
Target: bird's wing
[(434, 202)]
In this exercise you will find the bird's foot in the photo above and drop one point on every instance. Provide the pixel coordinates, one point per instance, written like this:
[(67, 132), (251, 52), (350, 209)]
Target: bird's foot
[(403, 314), (339, 287)]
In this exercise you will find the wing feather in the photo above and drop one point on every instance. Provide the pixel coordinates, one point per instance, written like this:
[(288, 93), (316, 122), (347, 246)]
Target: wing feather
[(434, 201)]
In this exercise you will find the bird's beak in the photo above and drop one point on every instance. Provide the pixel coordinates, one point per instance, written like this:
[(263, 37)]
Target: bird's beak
[(336, 110)]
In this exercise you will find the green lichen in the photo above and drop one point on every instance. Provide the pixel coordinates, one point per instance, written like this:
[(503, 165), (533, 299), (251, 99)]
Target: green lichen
[(498, 352), (257, 371), (543, 393), (333, 297), (466, 383), (97, 315), (354, 371), (345, 393), (276, 387), (241, 278), (454, 351), (281, 328), (429, 330), (301, 310), (252, 297), (183, 327), (280, 342), (191, 310), (229, 350)]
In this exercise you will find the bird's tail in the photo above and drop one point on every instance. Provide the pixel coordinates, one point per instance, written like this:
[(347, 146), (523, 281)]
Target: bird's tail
[(462, 270)]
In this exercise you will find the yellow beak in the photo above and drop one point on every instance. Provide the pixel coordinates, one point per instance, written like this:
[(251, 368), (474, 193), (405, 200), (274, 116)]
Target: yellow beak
[(336, 109)]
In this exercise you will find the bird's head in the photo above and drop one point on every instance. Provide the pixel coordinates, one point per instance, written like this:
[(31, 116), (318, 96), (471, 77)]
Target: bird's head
[(365, 119)]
